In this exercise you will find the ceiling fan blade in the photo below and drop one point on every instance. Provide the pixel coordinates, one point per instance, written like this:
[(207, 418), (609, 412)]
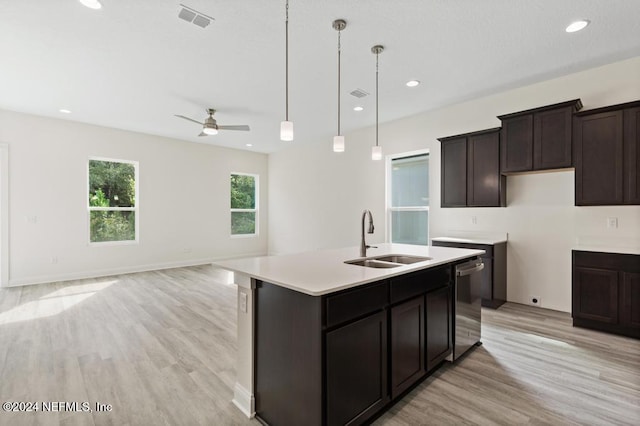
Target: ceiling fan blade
[(203, 134), (243, 127), (190, 119)]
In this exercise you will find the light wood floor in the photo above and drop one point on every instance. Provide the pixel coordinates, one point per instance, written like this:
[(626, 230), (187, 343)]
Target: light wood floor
[(160, 347)]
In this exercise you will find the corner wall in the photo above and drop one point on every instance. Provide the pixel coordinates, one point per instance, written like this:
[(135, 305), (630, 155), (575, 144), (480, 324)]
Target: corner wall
[(317, 196), (183, 200)]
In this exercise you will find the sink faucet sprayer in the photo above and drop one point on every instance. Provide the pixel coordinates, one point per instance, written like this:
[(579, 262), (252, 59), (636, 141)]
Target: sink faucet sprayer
[(363, 244)]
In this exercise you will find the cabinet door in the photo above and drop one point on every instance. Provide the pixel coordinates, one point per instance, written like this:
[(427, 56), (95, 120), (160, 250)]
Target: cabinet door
[(632, 155), (630, 300), (454, 173), (484, 179), (516, 150), (438, 315), (356, 372), (599, 159), (595, 294), (552, 139), (407, 344)]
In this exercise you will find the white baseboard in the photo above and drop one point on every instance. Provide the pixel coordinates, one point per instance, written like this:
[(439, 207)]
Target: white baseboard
[(13, 282), (244, 400)]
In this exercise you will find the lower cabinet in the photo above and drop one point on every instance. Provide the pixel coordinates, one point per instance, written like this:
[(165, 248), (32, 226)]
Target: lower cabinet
[(606, 292), (356, 356), (439, 342), (343, 358), (407, 344)]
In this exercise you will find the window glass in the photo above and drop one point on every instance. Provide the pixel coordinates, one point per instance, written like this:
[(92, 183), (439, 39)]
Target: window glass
[(408, 200), (244, 210), (112, 201)]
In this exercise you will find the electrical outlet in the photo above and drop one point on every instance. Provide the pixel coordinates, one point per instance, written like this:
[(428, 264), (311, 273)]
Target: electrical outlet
[(535, 301), (54, 259), (612, 222), (186, 250), (243, 301), (474, 220)]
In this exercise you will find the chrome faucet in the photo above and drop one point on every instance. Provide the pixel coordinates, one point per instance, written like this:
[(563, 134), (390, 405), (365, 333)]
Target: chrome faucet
[(363, 244)]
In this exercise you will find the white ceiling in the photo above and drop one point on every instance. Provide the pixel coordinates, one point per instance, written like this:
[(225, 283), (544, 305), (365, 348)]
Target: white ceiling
[(133, 64)]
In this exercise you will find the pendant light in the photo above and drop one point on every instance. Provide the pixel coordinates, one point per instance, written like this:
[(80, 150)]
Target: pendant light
[(286, 127), (338, 139), (376, 151)]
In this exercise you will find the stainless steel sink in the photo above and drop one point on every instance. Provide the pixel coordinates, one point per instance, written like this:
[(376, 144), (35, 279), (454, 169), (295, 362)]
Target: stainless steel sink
[(387, 261), (401, 258), (371, 263)]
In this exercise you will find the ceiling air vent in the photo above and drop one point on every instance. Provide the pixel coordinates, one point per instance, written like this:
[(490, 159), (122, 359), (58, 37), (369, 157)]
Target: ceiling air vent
[(191, 15), (359, 93)]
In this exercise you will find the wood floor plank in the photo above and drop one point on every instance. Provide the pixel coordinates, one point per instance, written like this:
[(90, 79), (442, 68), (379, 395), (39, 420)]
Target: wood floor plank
[(161, 347)]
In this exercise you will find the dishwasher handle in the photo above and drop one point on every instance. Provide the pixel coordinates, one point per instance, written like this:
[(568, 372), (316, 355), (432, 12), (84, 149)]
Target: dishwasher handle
[(468, 271)]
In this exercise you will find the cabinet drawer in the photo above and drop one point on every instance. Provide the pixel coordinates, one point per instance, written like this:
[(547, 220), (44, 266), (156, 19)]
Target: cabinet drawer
[(613, 261), (355, 303), (488, 248), (407, 286)]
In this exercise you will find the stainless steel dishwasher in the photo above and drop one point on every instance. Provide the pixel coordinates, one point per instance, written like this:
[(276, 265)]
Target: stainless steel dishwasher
[(467, 312)]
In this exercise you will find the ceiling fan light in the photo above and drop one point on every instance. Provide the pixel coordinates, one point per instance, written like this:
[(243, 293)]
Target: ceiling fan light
[(376, 152), (286, 130), (209, 131), (338, 143), (91, 4)]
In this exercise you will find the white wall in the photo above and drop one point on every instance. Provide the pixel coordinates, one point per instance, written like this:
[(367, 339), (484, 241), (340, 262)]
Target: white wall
[(183, 200), (317, 196)]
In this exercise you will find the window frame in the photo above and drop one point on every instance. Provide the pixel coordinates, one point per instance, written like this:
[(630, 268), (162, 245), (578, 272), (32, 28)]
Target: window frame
[(135, 209), (256, 179), (389, 209)]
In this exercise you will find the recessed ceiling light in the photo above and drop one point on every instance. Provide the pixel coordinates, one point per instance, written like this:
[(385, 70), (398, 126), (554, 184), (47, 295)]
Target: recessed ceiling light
[(249, 144), (91, 4), (65, 111), (577, 26), (358, 108), (412, 83)]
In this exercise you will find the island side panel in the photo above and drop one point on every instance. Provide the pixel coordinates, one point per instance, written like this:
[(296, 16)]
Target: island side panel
[(288, 356)]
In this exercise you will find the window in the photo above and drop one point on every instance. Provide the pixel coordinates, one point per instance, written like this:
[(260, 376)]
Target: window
[(408, 198), (112, 200), (244, 204)]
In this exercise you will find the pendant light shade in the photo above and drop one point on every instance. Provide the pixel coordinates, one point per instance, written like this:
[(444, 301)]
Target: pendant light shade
[(286, 130), (286, 127), (338, 140), (376, 150)]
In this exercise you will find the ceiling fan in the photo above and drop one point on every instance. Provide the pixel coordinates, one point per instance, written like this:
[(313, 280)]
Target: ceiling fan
[(210, 125)]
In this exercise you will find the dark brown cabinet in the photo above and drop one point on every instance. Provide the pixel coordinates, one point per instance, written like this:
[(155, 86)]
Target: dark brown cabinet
[(407, 344), (494, 274), (342, 358), (470, 170), (538, 139), (356, 357), (439, 339), (606, 155), (606, 292)]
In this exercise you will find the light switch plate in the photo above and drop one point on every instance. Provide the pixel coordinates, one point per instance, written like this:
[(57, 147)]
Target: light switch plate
[(612, 222), (243, 302)]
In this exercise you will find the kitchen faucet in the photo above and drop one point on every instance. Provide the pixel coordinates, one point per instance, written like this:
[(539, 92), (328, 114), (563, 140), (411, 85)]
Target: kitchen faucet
[(363, 244)]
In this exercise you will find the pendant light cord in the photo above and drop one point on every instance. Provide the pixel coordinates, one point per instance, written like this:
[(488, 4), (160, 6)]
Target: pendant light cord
[(339, 32), (286, 63), (377, 98)]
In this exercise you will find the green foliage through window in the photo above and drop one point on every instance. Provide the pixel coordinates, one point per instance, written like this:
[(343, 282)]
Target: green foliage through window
[(243, 204), (112, 201)]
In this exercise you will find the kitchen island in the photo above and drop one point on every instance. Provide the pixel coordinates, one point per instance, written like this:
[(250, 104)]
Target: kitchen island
[(321, 341)]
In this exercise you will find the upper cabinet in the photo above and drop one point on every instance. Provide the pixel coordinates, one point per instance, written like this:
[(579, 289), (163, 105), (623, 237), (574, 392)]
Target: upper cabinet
[(470, 170), (537, 139), (607, 155)]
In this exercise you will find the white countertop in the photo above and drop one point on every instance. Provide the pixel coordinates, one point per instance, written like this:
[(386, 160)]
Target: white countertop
[(608, 249), (472, 240), (321, 272)]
